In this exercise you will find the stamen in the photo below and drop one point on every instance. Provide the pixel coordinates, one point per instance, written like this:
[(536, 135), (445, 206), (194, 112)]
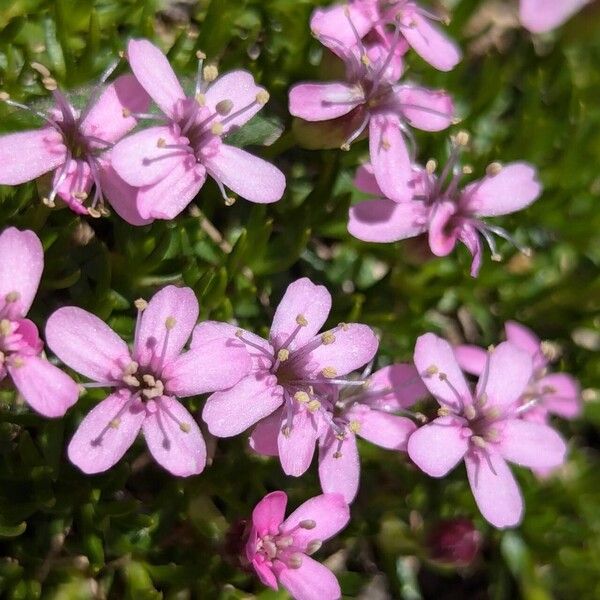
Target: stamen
[(478, 441), (329, 372), (12, 296), (295, 561), (224, 107), (443, 377), (493, 169), (307, 524), (210, 73), (313, 547), (240, 335)]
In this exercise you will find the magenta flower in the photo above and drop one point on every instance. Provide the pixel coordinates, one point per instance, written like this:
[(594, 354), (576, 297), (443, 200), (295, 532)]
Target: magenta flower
[(447, 213), (547, 393), (169, 162), (75, 146), (482, 427), (45, 387), (362, 408), (369, 98), (146, 382), (540, 16), (280, 550), (287, 372), (339, 26)]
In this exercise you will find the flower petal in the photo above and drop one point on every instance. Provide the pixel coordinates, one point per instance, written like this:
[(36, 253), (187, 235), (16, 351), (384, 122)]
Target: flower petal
[(330, 513), (269, 513), (76, 178), (174, 438), (302, 298), (435, 356), (230, 412), (532, 445), (86, 344), (380, 428), (339, 467), (253, 178), (106, 433), (429, 110), (443, 233), (509, 372), (311, 581), (496, 492), (513, 188), (394, 387), (323, 101), (540, 16), (364, 180), (436, 448), (45, 387), (263, 439), (297, 447), (26, 155), (152, 69), (239, 88), (471, 358), (165, 326), (353, 346), (429, 42), (168, 197), (562, 395), (384, 220), (21, 266), (106, 119), (144, 158), (526, 340), (389, 157), (335, 26)]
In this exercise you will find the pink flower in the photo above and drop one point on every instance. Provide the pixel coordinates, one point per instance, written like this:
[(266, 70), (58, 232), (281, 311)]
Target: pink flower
[(339, 26), (547, 393), (540, 16), (75, 145), (169, 162), (279, 550), (146, 382), (447, 213), (483, 426), (288, 372), (360, 408), (46, 388), (369, 98)]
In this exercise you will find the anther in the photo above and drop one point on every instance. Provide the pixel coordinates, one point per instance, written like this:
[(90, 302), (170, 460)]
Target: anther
[(478, 441), (431, 166), (161, 143), (307, 524), (329, 372), (295, 561), (185, 427), (283, 354), (12, 296), (210, 73), (444, 411), (328, 338), (337, 454), (18, 362), (126, 113), (41, 69), (131, 380), (262, 97), (131, 368), (492, 435), (467, 170), (224, 107), (493, 169), (470, 412), (313, 546), (549, 350), (431, 370), (114, 424), (200, 55), (4, 96), (385, 144), (149, 380), (314, 405), (50, 83), (229, 201), (496, 257), (170, 322), (302, 397), (200, 99), (345, 147), (5, 327), (284, 542), (493, 413), (94, 213), (49, 203), (301, 320), (491, 348), (365, 60), (141, 304), (462, 138), (81, 196), (216, 129), (548, 389), (354, 426)]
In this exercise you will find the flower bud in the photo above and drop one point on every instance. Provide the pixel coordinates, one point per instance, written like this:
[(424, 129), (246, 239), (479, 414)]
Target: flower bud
[(454, 542)]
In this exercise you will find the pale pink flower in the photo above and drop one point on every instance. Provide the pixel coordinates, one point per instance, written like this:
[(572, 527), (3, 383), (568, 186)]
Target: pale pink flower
[(288, 372), (362, 408), (540, 16), (554, 393), (447, 213), (339, 26), (280, 549), (169, 162), (45, 387), (368, 98), (146, 382), (483, 427), (75, 145)]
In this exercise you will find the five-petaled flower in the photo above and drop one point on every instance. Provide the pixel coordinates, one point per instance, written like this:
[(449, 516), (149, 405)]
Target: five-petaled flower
[(169, 162), (440, 208), (483, 427), (146, 381), (76, 146), (45, 387), (292, 370), (279, 549)]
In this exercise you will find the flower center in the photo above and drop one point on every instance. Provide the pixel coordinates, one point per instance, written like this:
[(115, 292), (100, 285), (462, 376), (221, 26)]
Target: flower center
[(282, 546)]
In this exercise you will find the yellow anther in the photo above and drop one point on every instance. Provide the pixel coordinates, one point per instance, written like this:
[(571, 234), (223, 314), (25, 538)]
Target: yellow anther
[(470, 412), (149, 380), (5, 327), (344, 326), (18, 362), (224, 107), (431, 166), (365, 60), (170, 322), (444, 411), (491, 348), (482, 400), (262, 97), (345, 147), (354, 426), (286, 431), (431, 370), (301, 320), (302, 397), (467, 170), (314, 405), (283, 354), (493, 169), (313, 546), (328, 338), (81, 196), (216, 129), (126, 113), (307, 524), (161, 143), (239, 333), (185, 427), (94, 213), (12, 296), (492, 435), (200, 55), (200, 99), (337, 455), (210, 73), (496, 257), (131, 380), (50, 83), (141, 304), (41, 69), (329, 372), (493, 413), (385, 144), (229, 201), (478, 441), (462, 138), (49, 203), (131, 368), (549, 350), (114, 424)]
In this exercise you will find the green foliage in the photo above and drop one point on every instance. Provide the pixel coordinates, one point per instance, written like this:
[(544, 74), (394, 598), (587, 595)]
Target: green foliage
[(137, 532)]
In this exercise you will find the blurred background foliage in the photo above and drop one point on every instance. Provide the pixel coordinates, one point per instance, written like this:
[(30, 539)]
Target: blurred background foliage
[(137, 532)]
